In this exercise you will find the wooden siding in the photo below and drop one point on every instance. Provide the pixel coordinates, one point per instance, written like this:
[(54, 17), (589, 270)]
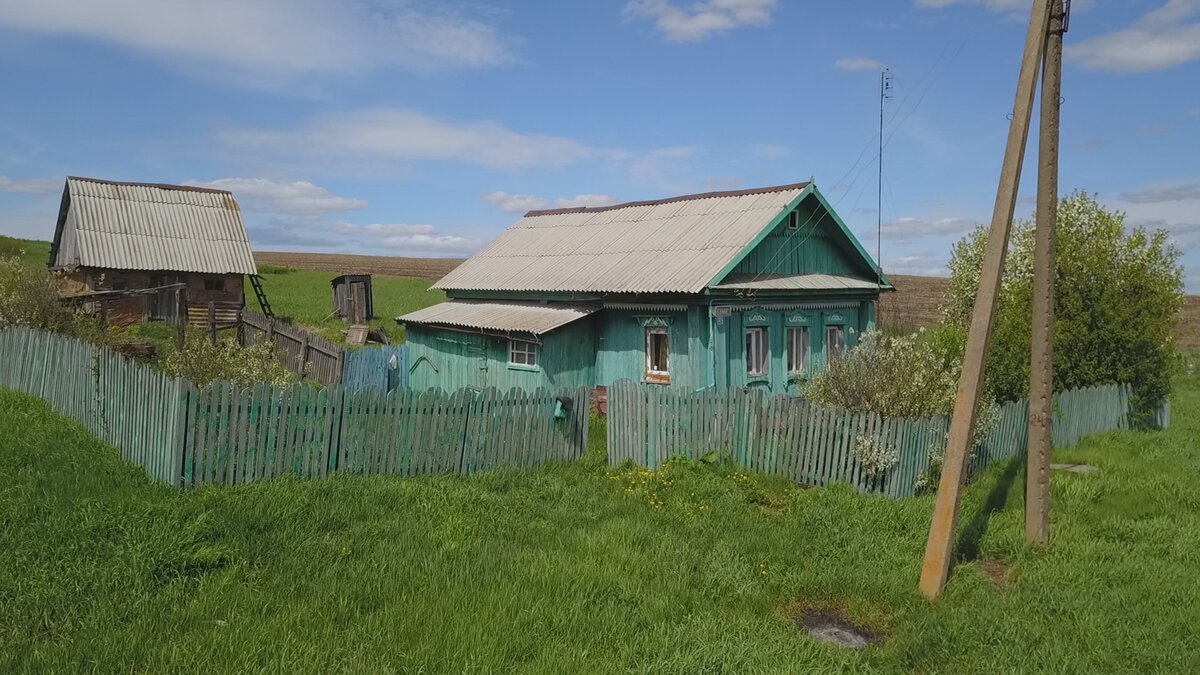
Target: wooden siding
[(622, 350), (455, 359), (815, 247), (731, 345)]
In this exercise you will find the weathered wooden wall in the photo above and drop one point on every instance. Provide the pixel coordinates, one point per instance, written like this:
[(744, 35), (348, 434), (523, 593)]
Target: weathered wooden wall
[(312, 357)]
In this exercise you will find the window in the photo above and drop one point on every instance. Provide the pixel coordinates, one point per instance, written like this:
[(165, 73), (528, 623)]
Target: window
[(793, 220), (522, 353), (214, 284), (835, 341), (119, 283), (757, 352), (797, 351), (658, 353)]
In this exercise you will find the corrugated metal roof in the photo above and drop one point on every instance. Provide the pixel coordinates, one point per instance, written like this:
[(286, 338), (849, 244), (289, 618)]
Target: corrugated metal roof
[(503, 316), (798, 282), (674, 245), (145, 226)]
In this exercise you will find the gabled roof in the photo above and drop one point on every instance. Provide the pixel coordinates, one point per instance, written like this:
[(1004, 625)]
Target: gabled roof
[(675, 245), (150, 226), (500, 316)]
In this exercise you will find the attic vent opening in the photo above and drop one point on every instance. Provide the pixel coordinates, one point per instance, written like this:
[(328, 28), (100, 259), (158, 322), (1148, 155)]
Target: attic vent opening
[(793, 222)]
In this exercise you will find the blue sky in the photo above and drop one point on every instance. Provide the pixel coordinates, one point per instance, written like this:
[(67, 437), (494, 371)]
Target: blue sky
[(424, 128)]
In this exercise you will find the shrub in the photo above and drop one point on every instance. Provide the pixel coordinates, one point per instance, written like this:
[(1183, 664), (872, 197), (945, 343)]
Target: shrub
[(203, 362), (1117, 295), (29, 297)]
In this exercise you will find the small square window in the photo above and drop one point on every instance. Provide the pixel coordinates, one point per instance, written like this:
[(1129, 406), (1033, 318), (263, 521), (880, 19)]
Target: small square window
[(658, 354), (835, 341), (757, 352), (214, 284), (522, 353), (797, 351)]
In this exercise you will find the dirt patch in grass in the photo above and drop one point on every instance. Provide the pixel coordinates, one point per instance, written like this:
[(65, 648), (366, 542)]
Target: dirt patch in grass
[(995, 570), (831, 625)]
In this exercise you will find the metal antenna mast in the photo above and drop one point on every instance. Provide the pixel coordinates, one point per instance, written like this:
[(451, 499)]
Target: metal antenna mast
[(885, 92)]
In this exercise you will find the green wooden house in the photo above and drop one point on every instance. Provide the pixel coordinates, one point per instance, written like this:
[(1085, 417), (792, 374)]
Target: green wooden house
[(748, 288)]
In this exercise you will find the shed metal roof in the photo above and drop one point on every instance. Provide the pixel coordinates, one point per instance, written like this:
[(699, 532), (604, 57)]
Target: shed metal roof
[(150, 226), (675, 245), (500, 316), (796, 282)]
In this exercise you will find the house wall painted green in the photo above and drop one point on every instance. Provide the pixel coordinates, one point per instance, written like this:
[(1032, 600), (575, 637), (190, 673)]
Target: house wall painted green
[(453, 359)]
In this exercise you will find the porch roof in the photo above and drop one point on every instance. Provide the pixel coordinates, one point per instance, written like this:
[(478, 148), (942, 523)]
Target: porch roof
[(500, 316)]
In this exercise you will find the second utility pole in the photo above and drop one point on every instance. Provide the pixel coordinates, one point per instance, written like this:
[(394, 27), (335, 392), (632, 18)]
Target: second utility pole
[(1041, 370)]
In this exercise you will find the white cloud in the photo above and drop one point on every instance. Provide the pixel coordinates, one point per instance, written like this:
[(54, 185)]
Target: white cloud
[(523, 203), (994, 5), (908, 228), (703, 18), (300, 198), (405, 239), (858, 63), (1159, 40), (29, 186), (920, 264), (1172, 192), (515, 203), (405, 135), (272, 38)]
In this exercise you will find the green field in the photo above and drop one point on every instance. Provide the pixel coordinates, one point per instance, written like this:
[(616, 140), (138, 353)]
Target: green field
[(306, 297), (32, 253), (577, 568)]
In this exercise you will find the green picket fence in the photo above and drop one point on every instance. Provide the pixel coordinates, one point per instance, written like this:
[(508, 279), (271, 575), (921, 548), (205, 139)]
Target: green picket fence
[(238, 435), (812, 445), (228, 435)]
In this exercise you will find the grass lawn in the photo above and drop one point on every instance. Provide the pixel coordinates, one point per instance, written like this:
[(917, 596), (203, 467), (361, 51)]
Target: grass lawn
[(307, 298), (582, 569), (33, 253)]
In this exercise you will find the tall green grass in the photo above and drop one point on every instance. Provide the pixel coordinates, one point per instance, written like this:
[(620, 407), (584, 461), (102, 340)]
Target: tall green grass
[(306, 297), (694, 569)]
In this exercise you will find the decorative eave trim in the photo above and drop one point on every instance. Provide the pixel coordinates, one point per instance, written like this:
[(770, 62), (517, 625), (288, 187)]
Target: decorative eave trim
[(645, 307)]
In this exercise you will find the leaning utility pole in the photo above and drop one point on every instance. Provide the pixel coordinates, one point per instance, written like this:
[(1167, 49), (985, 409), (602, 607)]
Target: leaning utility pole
[(962, 425), (1041, 371)]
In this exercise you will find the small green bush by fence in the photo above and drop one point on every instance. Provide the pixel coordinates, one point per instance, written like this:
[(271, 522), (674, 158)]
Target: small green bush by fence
[(819, 446), (227, 434)]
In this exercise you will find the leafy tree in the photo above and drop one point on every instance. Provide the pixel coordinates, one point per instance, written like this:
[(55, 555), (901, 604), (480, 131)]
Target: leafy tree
[(1117, 292)]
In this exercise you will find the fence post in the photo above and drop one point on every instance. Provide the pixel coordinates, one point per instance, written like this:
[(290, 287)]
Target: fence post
[(303, 356), (212, 322)]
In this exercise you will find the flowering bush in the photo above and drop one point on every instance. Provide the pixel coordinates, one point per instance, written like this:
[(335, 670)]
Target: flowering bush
[(1117, 292), (203, 362), (873, 455)]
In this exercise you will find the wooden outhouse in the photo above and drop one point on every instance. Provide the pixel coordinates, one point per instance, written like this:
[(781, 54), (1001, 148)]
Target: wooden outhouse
[(747, 288), (352, 298), (190, 242)]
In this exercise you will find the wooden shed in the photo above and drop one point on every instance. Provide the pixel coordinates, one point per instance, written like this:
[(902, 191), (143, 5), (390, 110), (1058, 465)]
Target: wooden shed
[(157, 250), (750, 288), (352, 298)]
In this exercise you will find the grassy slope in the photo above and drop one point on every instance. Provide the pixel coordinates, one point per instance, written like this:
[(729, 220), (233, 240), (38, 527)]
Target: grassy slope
[(307, 298), (33, 252), (574, 569)]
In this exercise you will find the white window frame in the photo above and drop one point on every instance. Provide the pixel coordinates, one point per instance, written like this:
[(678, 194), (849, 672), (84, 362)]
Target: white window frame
[(660, 376), (798, 340), (758, 352), (524, 350), (830, 351)]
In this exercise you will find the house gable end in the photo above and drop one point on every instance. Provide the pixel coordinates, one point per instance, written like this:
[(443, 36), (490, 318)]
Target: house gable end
[(812, 241)]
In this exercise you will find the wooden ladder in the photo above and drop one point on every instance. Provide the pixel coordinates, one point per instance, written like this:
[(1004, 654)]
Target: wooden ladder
[(256, 282)]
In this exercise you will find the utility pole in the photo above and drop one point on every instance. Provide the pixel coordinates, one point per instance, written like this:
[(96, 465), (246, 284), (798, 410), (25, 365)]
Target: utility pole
[(1041, 370), (885, 89), (940, 546)]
